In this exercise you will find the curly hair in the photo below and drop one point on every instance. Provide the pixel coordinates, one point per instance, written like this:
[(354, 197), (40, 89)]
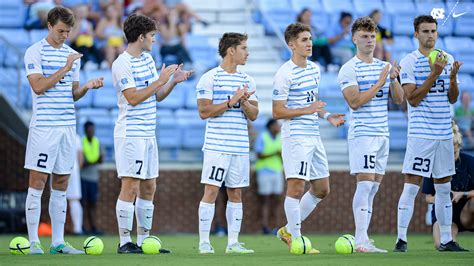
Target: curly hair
[(365, 24), (137, 24)]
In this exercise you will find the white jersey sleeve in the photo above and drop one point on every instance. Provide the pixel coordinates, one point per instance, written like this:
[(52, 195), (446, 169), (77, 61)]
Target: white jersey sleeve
[(123, 76), (347, 76), (407, 75), (204, 88), (281, 85), (33, 60), (252, 88)]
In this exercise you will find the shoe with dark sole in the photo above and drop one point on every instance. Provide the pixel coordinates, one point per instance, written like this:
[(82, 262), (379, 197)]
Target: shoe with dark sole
[(164, 251), (129, 248), (401, 246), (451, 246)]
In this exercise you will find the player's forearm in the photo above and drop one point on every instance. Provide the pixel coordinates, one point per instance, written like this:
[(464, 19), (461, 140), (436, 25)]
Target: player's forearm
[(212, 110), (417, 95), (287, 113), (165, 90), (45, 83), (396, 92), (79, 92), (453, 92), (139, 96), (363, 97), (250, 110)]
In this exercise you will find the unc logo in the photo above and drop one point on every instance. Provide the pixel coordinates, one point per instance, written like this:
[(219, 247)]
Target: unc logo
[(124, 81), (275, 92), (404, 75), (437, 13)]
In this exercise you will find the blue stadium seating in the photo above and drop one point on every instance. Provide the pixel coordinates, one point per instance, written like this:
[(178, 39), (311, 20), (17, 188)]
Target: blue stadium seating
[(397, 8), (364, 7), (12, 13), (175, 99), (105, 97), (336, 7), (403, 44), (37, 35), (192, 128), (314, 5), (403, 24), (168, 133), (458, 44), (464, 26)]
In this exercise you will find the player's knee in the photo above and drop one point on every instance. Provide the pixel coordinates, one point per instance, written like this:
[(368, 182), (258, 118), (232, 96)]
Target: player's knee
[(322, 192), (413, 179), (148, 190), (210, 194), (60, 183), (235, 195)]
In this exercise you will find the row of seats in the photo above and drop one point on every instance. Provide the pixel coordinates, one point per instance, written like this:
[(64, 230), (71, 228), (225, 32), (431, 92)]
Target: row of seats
[(397, 15)]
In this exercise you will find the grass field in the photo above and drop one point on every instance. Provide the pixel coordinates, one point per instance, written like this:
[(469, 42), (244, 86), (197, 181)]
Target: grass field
[(269, 251)]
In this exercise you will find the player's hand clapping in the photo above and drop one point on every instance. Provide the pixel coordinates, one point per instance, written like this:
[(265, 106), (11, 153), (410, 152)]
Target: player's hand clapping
[(395, 70), (316, 107), (383, 76), (95, 83), (180, 75), (166, 73), (71, 59), (336, 119), (238, 95), (455, 69)]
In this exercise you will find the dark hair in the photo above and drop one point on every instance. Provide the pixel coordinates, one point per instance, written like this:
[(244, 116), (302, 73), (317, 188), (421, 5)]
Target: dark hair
[(344, 15), (423, 19), (365, 24), (293, 30), (137, 24), (304, 10), (270, 123), (88, 124), (62, 14), (230, 39)]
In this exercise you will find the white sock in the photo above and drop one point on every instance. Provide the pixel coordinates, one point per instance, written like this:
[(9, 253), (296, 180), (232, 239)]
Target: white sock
[(206, 214), (406, 204), (75, 209), (144, 213), (234, 215), (33, 212), (375, 188), (124, 212), (293, 216), (444, 211), (57, 213), (360, 207), (307, 204)]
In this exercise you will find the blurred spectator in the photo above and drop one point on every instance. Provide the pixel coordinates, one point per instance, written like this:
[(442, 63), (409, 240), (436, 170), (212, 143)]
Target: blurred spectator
[(109, 29), (173, 39), (269, 172), (384, 38), (37, 13), (74, 193), (93, 156), (186, 15), (340, 39), (464, 115), (462, 194), (320, 42), (98, 9), (82, 39)]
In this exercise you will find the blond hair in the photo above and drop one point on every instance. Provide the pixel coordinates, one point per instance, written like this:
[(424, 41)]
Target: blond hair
[(457, 136)]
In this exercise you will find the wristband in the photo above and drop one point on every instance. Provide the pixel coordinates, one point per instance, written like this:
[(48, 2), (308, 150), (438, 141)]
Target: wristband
[(326, 115), (228, 106), (464, 194)]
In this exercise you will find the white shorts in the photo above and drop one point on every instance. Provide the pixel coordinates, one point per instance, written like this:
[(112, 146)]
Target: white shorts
[(304, 158), (232, 169), (74, 191), (429, 158), (136, 157), (269, 182), (51, 149), (368, 154)]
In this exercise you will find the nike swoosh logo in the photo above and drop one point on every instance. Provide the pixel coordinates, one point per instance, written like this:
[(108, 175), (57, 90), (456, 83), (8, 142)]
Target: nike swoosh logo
[(30, 209), (458, 15), (204, 220), (148, 217)]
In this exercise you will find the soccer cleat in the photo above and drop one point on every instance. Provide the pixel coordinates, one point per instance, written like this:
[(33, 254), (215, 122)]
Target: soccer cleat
[(65, 248), (129, 248), (313, 251), (284, 236), (238, 248), (36, 249), (368, 247), (451, 246), (400, 246), (164, 251), (206, 248)]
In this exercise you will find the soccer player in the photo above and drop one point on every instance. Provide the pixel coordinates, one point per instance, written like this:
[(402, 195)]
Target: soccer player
[(136, 153), (226, 98), (429, 89), (52, 70), (295, 100), (366, 83)]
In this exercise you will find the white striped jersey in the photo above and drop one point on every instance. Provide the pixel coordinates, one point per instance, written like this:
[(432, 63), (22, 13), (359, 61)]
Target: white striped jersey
[(228, 132), (137, 121), (55, 107), (431, 119), (371, 119), (299, 87)]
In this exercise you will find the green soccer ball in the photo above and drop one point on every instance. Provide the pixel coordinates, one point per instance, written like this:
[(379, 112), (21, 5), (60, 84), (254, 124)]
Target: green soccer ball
[(19, 246), (93, 246), (300, 245), (345, 244), (433, 54), (151, 245)]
